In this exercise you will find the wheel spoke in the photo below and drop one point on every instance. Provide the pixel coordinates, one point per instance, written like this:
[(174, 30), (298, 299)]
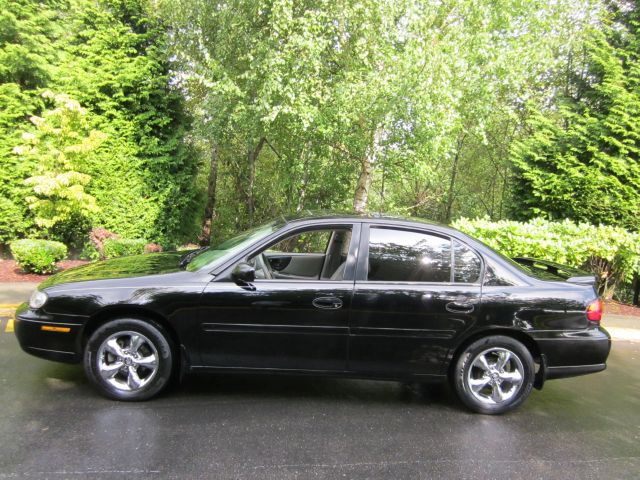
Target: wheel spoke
[(514, 377), (149, 362), (478, 384), (108, 371), (503, 359), (114, 347), (134, 381), (497, 395), (135, 343), (481, 362)]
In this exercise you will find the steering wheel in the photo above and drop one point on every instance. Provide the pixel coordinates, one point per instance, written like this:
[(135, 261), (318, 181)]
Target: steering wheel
[(263, 264)]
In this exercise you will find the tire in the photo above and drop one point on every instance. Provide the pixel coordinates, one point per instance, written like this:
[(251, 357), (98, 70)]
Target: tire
[(129, 359), (493, 375)]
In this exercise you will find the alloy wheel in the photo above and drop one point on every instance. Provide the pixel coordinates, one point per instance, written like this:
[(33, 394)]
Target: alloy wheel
[(127, 360), (495, 376)]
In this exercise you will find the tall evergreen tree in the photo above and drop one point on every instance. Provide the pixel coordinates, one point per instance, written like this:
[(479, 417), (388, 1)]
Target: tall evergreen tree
[(582, 159), (27, 32)]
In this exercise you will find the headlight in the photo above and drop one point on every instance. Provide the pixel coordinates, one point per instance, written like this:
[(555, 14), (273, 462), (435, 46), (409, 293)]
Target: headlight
[(37, 300)]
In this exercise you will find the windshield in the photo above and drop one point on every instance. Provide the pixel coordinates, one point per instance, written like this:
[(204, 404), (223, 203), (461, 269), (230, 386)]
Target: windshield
[(230, 247)]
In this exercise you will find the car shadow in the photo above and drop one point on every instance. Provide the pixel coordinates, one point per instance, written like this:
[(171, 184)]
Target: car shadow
[(195, 388), (256, 386)]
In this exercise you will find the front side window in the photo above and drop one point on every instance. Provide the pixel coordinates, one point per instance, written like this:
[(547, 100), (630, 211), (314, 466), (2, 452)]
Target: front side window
[(215, 255), (315, 254), (314, 241), (403, 256)]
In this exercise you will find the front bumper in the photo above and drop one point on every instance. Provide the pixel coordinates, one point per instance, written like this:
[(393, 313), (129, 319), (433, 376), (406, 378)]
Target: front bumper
[(49, 336), (569, 354)]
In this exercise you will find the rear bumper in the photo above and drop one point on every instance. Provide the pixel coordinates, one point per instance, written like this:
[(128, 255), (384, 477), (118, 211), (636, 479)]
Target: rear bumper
[(36, 337), (574, 371), (569, 354)]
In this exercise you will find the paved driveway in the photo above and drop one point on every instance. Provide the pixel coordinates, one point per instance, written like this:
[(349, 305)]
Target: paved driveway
[(53, 425)]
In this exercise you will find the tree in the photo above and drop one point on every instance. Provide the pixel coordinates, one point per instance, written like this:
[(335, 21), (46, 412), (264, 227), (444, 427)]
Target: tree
[(375, 105), (27, 32), (582, 159), (61, 143)]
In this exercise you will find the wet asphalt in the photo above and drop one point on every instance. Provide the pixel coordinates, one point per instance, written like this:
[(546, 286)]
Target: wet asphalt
[(53, 425)]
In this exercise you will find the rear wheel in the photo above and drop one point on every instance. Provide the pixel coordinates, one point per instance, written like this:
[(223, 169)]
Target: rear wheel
[(129, 359), (494, 375)]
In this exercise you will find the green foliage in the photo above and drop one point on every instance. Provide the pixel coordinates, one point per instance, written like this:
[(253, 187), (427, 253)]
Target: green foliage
[(116, 64), (389, 106), (89, 252), (118, 247), (28, 30), (111, 58), (611, 253), (10, 216), (60, 144), (582, 159), (38, 256)]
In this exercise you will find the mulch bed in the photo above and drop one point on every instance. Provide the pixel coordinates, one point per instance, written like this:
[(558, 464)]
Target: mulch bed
[(9, 271), (617, 308)]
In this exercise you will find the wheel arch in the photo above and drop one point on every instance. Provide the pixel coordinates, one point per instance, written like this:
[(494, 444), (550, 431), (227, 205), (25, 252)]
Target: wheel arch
[(106, 314), (518, 335)]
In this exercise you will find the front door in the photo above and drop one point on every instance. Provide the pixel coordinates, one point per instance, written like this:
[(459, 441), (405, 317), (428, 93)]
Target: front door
[(415, 292), (289, 319)]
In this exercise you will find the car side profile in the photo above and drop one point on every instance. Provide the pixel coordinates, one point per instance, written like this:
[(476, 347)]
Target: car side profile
[(333, 295)]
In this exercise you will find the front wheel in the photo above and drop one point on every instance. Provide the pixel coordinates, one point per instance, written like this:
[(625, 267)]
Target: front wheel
[(494, 375), (129, 359)]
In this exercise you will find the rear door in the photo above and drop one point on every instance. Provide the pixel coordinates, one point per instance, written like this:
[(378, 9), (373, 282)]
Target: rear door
[(415, 292)]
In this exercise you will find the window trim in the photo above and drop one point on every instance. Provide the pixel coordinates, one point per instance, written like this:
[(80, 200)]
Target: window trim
[(362, 267)]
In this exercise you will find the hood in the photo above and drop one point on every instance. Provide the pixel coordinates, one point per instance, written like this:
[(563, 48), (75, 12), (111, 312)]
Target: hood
[(121, 267)]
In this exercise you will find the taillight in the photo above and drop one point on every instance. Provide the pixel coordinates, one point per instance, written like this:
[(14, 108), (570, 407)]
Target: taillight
[(594, 310)]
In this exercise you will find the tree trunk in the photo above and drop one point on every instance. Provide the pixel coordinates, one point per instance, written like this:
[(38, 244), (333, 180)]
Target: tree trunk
[(302, 192), (636, 289), (452, 182), (252, 156), (361, 197), (210, 206)]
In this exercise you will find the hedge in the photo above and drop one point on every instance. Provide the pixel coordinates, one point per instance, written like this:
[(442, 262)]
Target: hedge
[(610, 253), (38, 256), (118, 247)]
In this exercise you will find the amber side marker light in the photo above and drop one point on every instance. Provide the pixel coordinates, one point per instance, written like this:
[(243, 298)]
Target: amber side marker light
[(51, 328), (594, 310)]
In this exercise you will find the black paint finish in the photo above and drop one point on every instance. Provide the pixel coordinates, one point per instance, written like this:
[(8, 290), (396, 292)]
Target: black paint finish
[(351, 327)]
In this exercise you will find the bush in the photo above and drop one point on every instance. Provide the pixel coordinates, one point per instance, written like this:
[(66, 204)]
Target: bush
[(612, 254), (89, 252), (152, 248), (38, 256), (119, 247), (97, 237)]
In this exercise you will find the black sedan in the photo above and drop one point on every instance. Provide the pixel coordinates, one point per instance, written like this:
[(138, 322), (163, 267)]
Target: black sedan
[(364, 297)]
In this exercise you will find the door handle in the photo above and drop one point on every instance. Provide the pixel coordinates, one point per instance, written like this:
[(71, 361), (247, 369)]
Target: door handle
[(459, 307), (327, 303)]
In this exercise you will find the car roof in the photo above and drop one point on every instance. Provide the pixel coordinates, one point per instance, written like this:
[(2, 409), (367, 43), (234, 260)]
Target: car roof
[(309, 215)]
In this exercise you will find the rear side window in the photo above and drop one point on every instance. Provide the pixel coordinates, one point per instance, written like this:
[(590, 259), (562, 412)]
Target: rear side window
[(403, 256), (467, 265)]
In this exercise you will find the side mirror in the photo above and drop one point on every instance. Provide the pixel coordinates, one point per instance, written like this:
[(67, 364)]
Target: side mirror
[(243, 274)]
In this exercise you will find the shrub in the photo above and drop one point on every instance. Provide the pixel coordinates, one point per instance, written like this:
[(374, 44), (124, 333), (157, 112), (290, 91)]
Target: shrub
[(97, 237), (119, 247), (89, 252), (152, 248), (38, 256), (612, 254)]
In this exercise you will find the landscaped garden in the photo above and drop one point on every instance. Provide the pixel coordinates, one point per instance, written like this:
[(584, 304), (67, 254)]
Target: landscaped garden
[(135, 126)]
